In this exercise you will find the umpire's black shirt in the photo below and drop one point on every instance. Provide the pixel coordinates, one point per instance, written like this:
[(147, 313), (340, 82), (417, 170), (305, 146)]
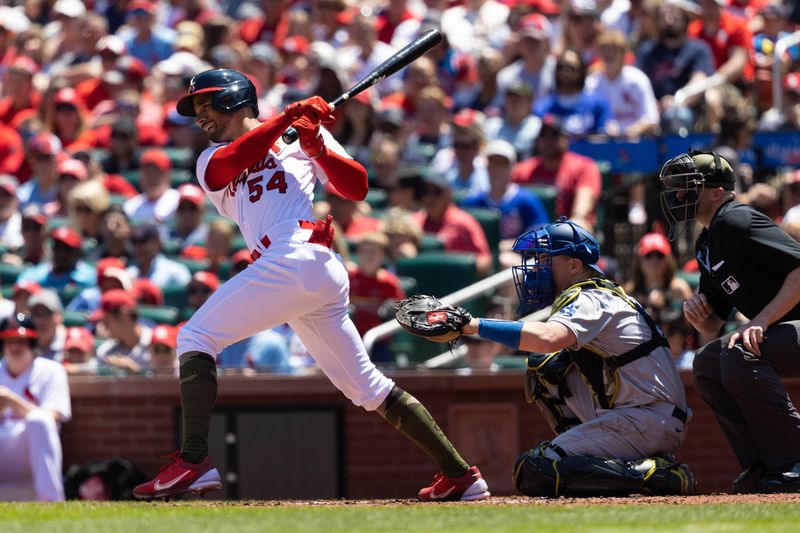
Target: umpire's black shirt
[(744, 258)]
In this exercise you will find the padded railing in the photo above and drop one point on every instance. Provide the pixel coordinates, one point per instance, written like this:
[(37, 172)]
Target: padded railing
[(389, 328)]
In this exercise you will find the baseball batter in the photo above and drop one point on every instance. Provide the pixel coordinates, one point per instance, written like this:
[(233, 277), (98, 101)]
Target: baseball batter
[(34, 399), (266, 187), (601, 372)]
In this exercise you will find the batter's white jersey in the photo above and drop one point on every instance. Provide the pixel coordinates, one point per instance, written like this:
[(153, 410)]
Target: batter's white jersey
[(280, 187), (43, 384)]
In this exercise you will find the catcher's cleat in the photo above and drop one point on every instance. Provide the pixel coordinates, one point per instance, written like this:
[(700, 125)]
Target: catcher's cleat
[(470, 486), (180, 477)]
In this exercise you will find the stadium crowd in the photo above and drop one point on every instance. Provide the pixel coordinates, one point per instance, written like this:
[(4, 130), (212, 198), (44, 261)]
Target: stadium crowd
[(109, 245)]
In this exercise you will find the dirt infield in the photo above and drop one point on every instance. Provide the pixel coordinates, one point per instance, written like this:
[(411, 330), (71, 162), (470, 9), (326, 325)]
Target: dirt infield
[(700, 499)]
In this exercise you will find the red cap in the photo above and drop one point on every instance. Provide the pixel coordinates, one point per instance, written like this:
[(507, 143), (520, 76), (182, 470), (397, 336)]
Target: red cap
[(46, 143), (113, 300), (67, 235), (242, 255), (156, 157), (467, 118), (79, 338), (209, 279), (792, 82), (68, 96), (73, 167), (143, 5), (167, 335), (654, 242), (195, 252), (535, 26), (24, 64), (191, 193), (147, 292), (295, 44), (108, 262), (131, 67), (31, 287)]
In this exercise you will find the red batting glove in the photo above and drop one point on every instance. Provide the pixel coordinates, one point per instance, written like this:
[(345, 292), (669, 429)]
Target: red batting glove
[(311, 141), (315, 105)]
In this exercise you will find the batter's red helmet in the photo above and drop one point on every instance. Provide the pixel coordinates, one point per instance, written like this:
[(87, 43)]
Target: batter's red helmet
[(18, 327), (232, 91)]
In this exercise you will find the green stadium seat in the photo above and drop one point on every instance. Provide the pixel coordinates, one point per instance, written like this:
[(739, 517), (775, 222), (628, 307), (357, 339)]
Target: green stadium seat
[(68, 293), (9, 273), (180, 157), (174, 295), (194, 265), (6, 291), (511, 362), (376, 198), (430, 243), (57, 222), (172, 247), (439, 273), (224, 270), (409, 285), (238, 244), (547, 194), (179, 176), (489, 219), (118, 199), (692, 278), (185, 314), (74, 319), (160, 314)]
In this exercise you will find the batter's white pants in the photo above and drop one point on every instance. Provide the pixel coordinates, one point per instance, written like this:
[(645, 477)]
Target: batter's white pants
[(30, 457), (305, 285)]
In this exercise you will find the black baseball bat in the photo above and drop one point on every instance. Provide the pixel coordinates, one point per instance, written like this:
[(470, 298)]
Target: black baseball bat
[(402, 58)]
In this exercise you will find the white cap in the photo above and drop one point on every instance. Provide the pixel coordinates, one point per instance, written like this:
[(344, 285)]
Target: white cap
[(181, 64), (69, 8), (14, 19), (501, 148), (111, 42)]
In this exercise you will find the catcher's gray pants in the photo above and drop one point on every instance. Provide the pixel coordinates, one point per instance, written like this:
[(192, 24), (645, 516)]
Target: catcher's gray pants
[(748, 398), (629, 434)]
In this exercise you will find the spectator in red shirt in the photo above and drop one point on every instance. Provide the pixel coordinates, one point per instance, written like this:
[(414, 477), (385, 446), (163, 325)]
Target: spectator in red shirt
[(373, 289), (730, 41), (419, 75), (12, 151), (457, 229), (387, 20), (271, 27), (576, 177), (68, 121), (19, 88)]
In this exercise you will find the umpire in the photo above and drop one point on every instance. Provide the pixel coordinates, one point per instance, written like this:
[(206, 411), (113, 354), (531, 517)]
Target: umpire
[(748, 263)]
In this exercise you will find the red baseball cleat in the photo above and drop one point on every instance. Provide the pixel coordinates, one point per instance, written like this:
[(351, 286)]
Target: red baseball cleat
[(180, 477), (470, 486)]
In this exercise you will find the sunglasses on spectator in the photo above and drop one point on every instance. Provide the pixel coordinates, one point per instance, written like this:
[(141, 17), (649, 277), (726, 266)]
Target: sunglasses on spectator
[(655, 255), (43, 157), (187, 206), (794, 187), (41, 312), (566, 66), (31, 227), (82, 208), (161, 348), (140, 240), (465, 145), (199, 290), (549, 132)]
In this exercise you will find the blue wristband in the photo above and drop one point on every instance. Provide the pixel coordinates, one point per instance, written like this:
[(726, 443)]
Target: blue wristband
[(506, 332)]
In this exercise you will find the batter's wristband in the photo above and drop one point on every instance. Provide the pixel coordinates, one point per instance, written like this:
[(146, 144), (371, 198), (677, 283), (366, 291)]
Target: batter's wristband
[(506, 332)]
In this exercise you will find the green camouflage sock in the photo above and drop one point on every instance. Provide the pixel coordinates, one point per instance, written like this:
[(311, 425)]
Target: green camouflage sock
[(198, 373), (410, 417)]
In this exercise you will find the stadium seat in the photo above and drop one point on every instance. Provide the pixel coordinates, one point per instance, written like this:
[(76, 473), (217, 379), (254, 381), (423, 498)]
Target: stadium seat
[(179, 176), (160, 314), (439, 273), (409, 285), (174, 295), (430, 243), (511, 362), (489, 219), (171, 247), (238, 244), (194, 265), (9, 273), (547, 195), (376, 198), (74, 319), (68, 293), (180, 157)]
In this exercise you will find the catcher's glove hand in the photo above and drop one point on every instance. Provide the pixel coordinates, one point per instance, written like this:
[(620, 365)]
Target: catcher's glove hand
[(427, 317)]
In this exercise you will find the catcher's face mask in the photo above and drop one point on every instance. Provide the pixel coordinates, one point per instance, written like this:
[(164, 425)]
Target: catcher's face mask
[(534, 277), (683, 184)]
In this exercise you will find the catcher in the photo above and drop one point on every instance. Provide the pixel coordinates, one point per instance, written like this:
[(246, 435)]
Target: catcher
[(600, 371)]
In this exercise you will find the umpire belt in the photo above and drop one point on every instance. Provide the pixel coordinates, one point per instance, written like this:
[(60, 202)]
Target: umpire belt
[(321, 233)]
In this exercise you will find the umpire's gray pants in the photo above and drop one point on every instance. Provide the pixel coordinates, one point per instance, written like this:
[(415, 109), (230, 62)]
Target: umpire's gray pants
[(748, 398)]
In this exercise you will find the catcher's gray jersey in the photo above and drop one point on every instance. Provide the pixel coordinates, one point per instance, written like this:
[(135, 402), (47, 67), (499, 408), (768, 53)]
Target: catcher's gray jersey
[(604, 323)]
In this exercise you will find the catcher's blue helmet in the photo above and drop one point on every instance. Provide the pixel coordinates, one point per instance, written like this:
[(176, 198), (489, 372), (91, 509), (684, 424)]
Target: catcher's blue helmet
[(232, 91), (534, 278)]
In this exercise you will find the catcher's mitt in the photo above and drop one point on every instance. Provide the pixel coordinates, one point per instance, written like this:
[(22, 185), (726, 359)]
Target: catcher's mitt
[(427, 317)]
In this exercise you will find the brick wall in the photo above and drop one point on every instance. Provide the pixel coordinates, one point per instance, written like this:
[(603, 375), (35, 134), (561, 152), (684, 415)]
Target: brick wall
[(484, 414)]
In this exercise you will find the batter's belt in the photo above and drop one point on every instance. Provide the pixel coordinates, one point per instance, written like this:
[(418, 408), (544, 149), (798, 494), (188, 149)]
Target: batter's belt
[(321, 233)]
